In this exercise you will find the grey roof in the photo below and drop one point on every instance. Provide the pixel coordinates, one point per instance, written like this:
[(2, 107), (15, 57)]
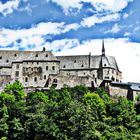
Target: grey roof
[(8, 56), (135, 86), (82, 62), (131, 85)]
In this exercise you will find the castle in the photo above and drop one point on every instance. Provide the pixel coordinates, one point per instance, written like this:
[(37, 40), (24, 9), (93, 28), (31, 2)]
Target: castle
[(41, 69), (38, 70)]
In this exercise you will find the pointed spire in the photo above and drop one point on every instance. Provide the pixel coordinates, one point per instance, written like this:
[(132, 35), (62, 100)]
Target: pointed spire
[(103, 48)]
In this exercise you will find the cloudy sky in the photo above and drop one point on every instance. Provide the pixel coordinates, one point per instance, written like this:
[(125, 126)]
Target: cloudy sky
[(68, 27)]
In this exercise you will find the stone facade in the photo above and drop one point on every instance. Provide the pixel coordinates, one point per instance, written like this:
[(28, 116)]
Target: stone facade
[(41, 69)]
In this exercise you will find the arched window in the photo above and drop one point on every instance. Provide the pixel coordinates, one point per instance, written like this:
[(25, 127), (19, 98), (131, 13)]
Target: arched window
[(74, 61), (36, 55), (82, 65), (35, 79), (26, 79), (46, 55), (64, 66)]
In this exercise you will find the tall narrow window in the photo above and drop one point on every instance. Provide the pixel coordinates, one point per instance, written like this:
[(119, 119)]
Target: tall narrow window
[(44, 77), (46, 67), (53, 67), (17, 66), (35, 79), (17, 73), (26, 79)]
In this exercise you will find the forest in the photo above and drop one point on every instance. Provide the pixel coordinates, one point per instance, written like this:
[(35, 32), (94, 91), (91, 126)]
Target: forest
[(68, 114)]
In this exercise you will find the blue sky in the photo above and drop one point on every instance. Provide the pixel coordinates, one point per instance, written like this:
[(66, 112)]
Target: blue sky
[(75, 27)]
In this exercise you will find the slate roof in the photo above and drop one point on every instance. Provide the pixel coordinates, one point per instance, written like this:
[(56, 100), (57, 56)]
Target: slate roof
[(9, 56), (96, 62)]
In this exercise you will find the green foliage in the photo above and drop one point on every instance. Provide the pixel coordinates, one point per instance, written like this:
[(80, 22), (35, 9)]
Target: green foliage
[(70, 114)]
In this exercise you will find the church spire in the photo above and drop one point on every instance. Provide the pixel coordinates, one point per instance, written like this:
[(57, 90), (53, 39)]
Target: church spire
[(103, 48)]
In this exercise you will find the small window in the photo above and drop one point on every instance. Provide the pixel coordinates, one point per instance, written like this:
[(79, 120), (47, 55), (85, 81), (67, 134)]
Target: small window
[(37, 63), (7, 61), (26, 79), (64, 66), (36, 55), (44, 77), (17, 73), (15, 55), (82, 65), (53, 67), (46, 55), (55, 80), (32, 69), (46, 67), (112, 71), (17, 66), (0, 57), (105, 65), (35, 79), (74, 61)]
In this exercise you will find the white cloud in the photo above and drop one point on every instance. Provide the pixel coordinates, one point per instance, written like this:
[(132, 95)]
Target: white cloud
[(127, 34), (115, 29), (92, 20), (9, 7), (68, 4), (126, 53), (137, 28), (59, 45), (125, 15), (73, 26), (33, 36), (99, 5)]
